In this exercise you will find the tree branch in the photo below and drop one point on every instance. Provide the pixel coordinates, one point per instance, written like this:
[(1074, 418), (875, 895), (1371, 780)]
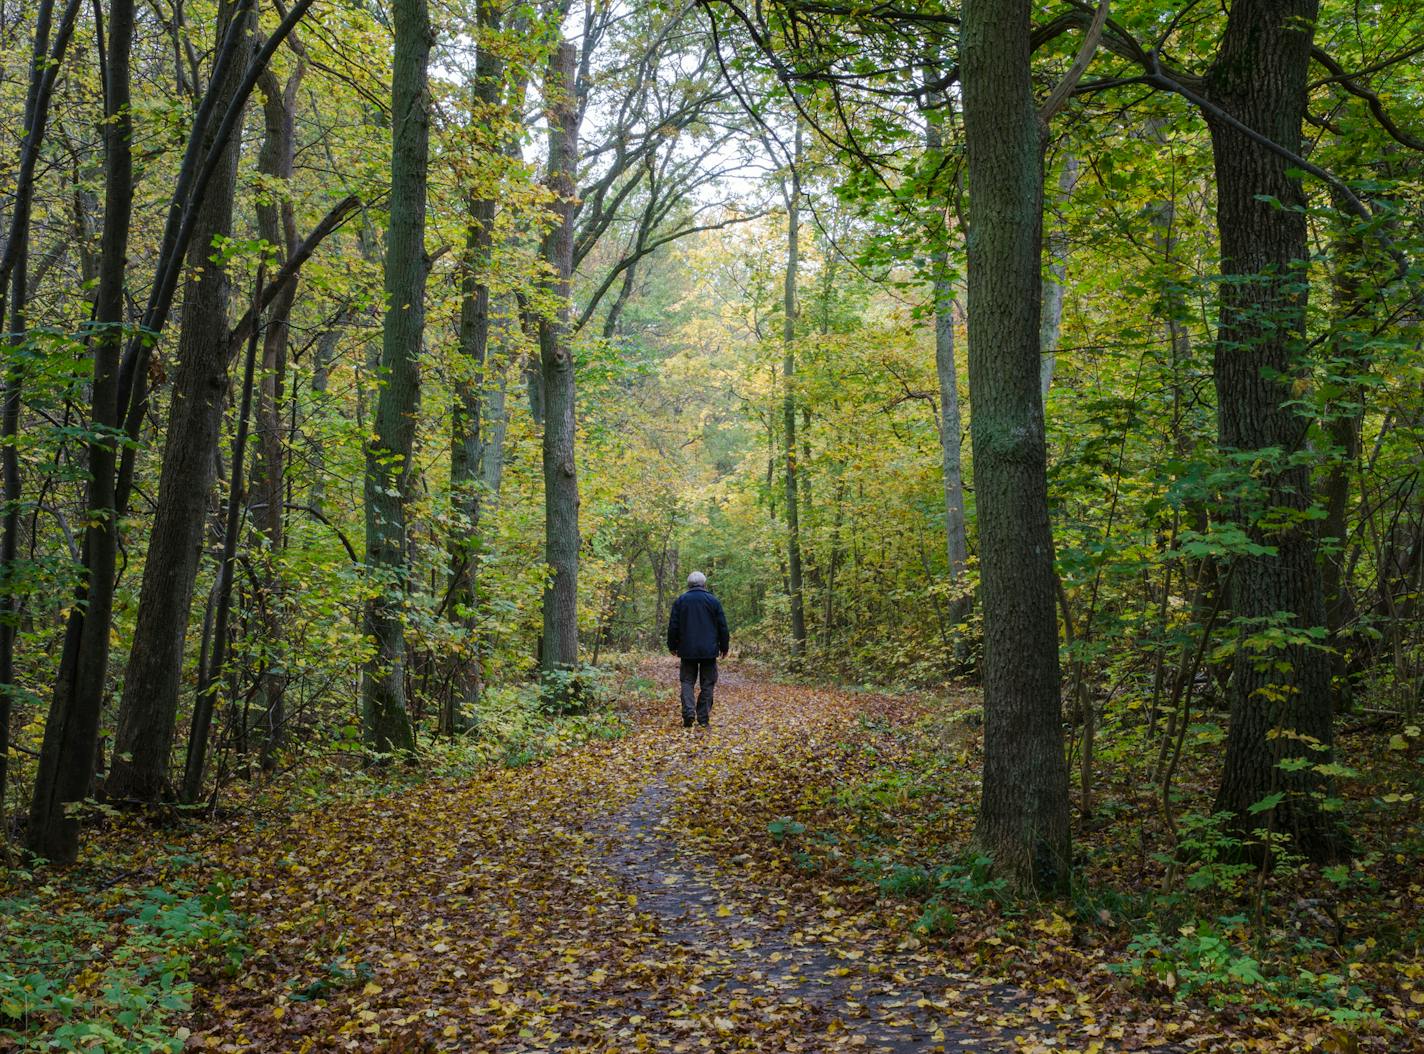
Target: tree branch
[(1355, 88), (647, 249), (1059, 96), (288, 274)]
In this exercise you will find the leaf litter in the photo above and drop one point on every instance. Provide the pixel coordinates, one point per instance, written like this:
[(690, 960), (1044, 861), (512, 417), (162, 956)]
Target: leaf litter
[(674, 890)]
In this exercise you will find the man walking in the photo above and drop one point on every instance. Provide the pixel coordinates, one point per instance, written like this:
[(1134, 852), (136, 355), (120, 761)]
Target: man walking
[(697, 634)]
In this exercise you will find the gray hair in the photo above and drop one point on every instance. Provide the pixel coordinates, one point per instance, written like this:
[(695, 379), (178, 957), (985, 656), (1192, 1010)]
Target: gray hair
[(696, 580)]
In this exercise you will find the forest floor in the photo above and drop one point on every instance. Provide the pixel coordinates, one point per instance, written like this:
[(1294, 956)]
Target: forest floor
[(607, 900), (742, 887), (657, 893)]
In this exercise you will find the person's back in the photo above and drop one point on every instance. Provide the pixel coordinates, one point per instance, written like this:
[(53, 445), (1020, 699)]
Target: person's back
[(697, 634)]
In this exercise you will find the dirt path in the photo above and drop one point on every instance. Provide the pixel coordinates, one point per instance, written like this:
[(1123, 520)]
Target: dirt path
[(886, 1003), (576, 905)]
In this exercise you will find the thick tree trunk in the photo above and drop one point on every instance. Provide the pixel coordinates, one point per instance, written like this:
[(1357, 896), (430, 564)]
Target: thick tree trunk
[(148, 710), (72, 729), (561, 499), (1259, 77), (792, 189), (1023, 818), (386, 724), (466, 441)]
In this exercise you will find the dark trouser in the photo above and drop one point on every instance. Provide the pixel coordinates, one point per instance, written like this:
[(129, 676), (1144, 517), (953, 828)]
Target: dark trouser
[(693, 670)]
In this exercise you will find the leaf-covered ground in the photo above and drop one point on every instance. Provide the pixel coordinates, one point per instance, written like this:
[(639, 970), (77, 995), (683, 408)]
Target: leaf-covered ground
[(793, 879)]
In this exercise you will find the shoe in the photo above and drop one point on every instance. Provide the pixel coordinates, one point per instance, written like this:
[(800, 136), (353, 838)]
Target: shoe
[(686, 723)]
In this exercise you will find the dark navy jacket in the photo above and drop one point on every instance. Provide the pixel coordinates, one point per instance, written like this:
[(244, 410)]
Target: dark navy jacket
[(697, 627)]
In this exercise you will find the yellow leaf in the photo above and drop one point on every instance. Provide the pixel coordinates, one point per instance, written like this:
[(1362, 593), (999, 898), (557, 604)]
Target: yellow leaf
[(372, 988), (501, 987)]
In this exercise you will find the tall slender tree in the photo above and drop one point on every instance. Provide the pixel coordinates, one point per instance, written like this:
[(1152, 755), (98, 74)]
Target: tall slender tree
[(276, 223), (148, 710), (561, 497), (467, 438), (385, 721), (791, 191), (71, 731), (14, 291), (951, 425)]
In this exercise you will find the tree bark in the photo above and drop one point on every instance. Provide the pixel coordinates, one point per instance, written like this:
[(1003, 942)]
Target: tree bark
[(14, 293), (385, 722), (466, 441), (791, 188), (211, 673), (1050, 328), (1023, 819), (951, 424), (276, 224), (148, 710), (72, 728), (1344, 424), (561, 499), (1259, 77)]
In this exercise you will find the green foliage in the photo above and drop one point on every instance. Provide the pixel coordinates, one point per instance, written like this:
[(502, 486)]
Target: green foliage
[(576, 691), (1199, 956), (77, 981), (783, 828), (1211, 856), (1211, 960)]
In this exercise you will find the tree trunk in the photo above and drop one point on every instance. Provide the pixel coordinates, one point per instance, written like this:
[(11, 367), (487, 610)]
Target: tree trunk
[(210, 674), (1023, 818), (1050, 328), (148, 710), (561, 500), (385, 722), (72, 729), (13, 274), (466, 475), (326, 348), (1344, 423), (951, 425), (276, 224), (494, 423), (795, 587), (1259, 77)]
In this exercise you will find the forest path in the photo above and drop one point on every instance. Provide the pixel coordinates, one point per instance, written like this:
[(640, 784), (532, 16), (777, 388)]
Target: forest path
[(606, 900)]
